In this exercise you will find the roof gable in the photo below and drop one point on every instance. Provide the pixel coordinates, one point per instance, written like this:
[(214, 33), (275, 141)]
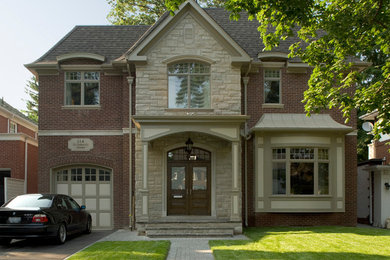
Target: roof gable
[(166, 22)]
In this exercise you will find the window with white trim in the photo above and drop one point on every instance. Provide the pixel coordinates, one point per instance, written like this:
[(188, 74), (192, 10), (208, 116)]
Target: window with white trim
[(82, 88), (13, 127), (300, 171), (272, 86), (189, 85)]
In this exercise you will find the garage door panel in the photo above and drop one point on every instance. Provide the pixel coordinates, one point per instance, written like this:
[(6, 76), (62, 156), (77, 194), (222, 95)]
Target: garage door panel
[(90, 204), (105, 189), (104, 204), (93, 215), (62, 189), (90, 189), (105, 219), (76, 189)]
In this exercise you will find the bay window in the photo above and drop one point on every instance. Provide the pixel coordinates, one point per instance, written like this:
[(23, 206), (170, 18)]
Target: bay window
[(300, 171), (82, 88), (189, 85)]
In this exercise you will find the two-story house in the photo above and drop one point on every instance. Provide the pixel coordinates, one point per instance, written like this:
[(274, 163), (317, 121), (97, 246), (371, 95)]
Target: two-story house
[(18, 153), (189, 123)]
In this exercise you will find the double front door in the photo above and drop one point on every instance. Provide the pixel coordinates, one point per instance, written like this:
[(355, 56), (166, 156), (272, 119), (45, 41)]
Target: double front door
[(188, 188)]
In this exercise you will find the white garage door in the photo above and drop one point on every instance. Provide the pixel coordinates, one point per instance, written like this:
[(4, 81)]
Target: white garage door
[(89, 186)]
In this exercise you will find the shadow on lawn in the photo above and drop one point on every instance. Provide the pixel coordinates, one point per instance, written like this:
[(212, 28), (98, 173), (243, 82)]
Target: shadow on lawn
[(259, 233)]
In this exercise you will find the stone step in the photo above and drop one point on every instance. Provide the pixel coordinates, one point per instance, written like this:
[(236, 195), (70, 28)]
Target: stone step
[(196, 232), (189, 225)]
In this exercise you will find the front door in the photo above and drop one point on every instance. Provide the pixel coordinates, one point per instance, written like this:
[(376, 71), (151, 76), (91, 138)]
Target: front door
[(188, 182)]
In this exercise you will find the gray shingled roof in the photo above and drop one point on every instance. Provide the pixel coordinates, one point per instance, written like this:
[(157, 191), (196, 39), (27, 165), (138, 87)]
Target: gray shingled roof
[(110, 41), (13, 110), (113, 41)]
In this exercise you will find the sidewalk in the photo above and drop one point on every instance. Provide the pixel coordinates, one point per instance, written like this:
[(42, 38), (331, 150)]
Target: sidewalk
[(181, 248)]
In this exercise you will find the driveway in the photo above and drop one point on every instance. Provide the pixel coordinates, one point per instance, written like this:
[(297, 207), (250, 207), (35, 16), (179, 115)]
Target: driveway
[(45, 249)]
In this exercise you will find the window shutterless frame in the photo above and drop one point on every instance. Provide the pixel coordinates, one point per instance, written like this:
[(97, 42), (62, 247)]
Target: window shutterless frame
[(283, 155), (86, 80), (272, 75), (196, 96)]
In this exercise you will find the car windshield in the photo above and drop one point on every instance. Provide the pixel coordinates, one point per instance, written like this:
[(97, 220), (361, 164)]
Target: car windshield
[(30, 201)]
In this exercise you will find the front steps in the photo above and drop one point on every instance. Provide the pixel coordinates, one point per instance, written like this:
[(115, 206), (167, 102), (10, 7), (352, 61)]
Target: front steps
[(190, 229)]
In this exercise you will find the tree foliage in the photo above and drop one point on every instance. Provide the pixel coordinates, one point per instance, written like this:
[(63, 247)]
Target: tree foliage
[(135, 12), (32, 89), (333, 37)]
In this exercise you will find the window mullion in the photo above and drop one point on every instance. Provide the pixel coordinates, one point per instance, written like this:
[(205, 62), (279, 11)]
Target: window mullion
[(189, 91), (288, 181), (82, 89), (316, 171)]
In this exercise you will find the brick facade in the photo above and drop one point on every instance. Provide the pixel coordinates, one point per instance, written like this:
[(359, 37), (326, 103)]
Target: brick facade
[(13, 146)]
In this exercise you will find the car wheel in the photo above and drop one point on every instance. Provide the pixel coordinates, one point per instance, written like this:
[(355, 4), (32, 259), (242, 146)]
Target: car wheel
[(61, 234), (5, 241), (88, 228)]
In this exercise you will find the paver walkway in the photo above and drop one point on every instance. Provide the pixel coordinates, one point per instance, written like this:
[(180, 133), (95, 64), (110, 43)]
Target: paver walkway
[(181, 248)]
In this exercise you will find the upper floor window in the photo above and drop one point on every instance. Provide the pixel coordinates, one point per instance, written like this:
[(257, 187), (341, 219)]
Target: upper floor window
[(13, 127), (300, 171), (272, 86), (189, 85), (82, 88)]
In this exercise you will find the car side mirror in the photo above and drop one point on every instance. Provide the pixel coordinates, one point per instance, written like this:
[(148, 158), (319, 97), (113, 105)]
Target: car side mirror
[(83, 207)]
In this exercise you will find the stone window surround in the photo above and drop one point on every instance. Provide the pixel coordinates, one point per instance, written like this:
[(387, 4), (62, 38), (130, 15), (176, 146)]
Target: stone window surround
[(82, 81)]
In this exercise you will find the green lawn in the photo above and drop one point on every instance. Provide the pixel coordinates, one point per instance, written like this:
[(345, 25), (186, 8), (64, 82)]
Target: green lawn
[(125, 250), (306, 243)]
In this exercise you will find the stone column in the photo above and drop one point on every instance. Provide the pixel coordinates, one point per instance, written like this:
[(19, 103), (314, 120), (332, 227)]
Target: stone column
[(236, 187), (145, 190)]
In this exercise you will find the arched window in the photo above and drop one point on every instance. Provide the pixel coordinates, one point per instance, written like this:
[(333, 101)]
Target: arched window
[(189, 85)]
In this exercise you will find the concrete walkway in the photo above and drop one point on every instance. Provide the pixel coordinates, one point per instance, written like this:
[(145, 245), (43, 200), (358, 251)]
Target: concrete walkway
[(181, 248)]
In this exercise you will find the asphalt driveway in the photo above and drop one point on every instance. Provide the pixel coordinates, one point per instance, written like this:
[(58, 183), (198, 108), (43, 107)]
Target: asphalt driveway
[(46, 249)]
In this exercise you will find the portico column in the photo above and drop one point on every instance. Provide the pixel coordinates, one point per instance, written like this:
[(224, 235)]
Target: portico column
[(236, 187), (145, 191)]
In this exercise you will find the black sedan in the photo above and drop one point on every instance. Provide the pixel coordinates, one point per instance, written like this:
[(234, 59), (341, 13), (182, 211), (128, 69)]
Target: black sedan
[(42, 215)]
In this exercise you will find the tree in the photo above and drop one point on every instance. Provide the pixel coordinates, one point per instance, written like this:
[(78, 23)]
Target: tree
[(134, 12), (32, 89), (333, 36)]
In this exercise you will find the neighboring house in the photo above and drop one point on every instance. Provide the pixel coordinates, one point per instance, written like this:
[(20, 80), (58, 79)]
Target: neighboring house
[(18, 153), (219, 133), (374, 180)]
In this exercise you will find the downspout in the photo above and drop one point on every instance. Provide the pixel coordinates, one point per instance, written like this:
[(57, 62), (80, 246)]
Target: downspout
[(25, 164), (245, 80), (370, 203), (130, 80)]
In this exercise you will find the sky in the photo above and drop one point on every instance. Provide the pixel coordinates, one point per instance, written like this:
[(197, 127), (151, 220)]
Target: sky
[(29, 28)]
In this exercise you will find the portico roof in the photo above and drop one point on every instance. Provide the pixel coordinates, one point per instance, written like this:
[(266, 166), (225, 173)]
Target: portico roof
[(226, 127), (299, 122)]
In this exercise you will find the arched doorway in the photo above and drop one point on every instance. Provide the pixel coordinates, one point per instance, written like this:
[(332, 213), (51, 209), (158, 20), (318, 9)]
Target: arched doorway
[(189, 182)]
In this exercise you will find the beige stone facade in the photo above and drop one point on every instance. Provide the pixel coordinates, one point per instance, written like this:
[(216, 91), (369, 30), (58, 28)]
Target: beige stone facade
[(152, 78)]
